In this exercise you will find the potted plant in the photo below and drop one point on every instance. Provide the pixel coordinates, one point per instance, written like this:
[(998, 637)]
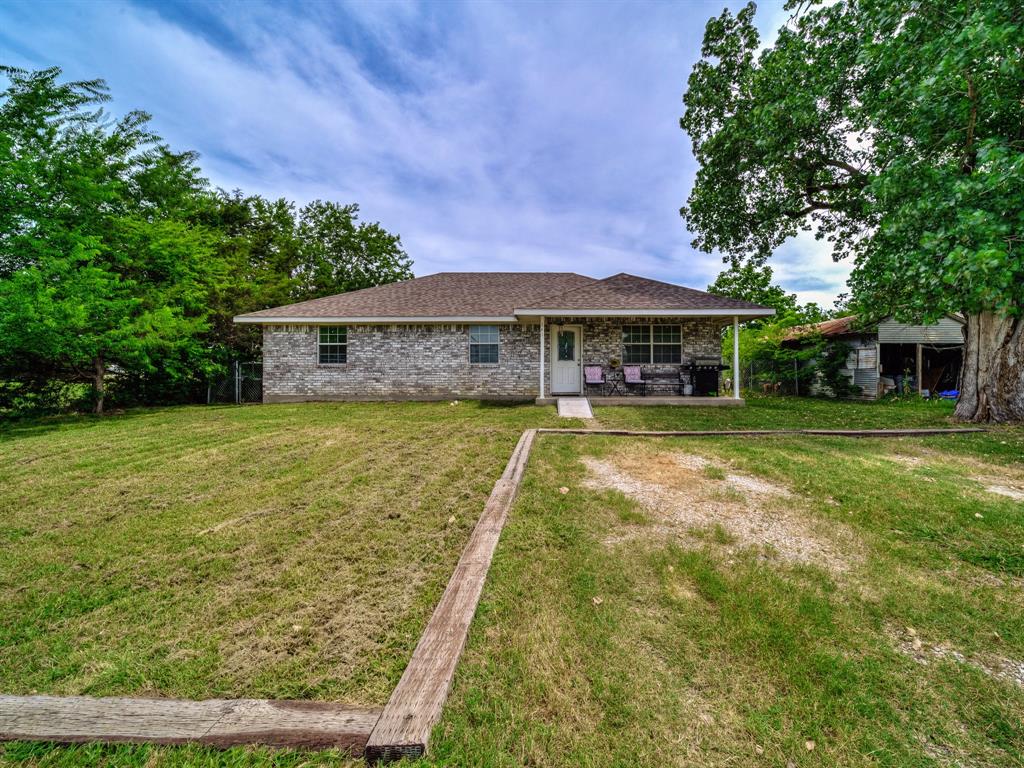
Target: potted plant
[(614, 363)]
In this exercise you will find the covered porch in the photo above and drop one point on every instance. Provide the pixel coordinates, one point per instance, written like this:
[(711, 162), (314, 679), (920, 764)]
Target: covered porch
[(598, 401), (668, 358)]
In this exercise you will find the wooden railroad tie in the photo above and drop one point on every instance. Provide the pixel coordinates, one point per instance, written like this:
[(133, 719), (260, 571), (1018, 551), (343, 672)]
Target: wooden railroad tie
[(216, 722)]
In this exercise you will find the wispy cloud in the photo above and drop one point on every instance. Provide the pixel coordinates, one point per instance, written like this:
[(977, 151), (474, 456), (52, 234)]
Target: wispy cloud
[(491, 136)]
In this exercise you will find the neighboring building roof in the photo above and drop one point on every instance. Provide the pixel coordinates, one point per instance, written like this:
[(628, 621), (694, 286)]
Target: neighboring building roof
[(839, 326), (889, 331), (501, 296)]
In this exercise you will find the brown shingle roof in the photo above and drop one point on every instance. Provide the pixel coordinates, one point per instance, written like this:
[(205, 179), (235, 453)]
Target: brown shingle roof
[(629, 292), (501, 295), (446, 294)]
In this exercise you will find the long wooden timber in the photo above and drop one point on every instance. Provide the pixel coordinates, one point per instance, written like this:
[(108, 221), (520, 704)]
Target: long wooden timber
[(416, 703), (215, 722), (924, 432)]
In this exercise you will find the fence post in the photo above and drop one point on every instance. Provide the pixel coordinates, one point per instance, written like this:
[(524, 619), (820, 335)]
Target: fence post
[(238, 383), (796, 378)]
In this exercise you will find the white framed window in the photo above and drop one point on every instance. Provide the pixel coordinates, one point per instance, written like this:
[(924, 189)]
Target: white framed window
[(483, 344), (332, 346), (652, 344)]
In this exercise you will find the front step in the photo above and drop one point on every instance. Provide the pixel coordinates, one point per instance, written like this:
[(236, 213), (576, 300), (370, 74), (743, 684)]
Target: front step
[(574, 408)]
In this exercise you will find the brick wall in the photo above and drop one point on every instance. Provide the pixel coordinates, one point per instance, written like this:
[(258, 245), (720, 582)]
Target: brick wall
[(432, 361), (399, 362)]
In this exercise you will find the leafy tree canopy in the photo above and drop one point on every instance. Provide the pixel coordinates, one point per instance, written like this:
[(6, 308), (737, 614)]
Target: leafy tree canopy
[(117, 257), (893, 128), (753, 282)]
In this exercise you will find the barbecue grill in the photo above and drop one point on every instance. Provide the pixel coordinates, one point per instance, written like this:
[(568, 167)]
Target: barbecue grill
[(704, 374)]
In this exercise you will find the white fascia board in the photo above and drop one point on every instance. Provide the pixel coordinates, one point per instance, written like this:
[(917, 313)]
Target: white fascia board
[(367, 320), (647, 312)]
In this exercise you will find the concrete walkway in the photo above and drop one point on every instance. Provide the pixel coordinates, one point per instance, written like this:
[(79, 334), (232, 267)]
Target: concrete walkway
[(574, 408)]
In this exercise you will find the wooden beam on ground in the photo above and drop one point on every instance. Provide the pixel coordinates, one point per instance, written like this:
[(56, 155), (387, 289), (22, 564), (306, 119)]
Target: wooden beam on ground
[(416, 703), (925, 432), (215, 722)]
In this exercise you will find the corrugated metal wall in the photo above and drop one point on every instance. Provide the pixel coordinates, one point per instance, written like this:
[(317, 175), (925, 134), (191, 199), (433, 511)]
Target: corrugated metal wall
[(863, 352), (946, 331), (862, 366)]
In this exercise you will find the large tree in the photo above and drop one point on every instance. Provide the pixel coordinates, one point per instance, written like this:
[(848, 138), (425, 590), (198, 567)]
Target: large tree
[(116, 256), (895, 129), (278, 255), (99, 267)]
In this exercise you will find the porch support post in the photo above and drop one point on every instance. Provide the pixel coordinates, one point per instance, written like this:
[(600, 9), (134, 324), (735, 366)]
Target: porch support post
[(919, 369), (542, 356), (736, 357)]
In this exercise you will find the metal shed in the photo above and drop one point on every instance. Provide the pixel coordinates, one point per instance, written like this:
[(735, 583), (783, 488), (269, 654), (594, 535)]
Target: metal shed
[(896, 356)]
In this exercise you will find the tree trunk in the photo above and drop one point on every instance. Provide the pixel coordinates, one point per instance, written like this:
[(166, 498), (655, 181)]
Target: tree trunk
[(992, 377), (98, 384)]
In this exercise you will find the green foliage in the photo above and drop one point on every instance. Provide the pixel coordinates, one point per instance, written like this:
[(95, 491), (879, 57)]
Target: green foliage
[(119, 264), (828, 367), (753, 282), (98, 266), (762, 351), (890, 127), (280, 256), (338, 254)]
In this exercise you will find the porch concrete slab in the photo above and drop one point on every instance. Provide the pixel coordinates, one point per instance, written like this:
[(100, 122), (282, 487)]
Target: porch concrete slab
[(667, 400), (574, 408)]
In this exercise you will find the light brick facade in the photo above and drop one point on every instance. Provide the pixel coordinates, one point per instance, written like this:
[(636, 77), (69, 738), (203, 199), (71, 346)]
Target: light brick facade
[(432, 361)]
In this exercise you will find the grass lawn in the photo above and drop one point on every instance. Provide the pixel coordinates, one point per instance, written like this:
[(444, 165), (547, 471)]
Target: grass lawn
[(783, 601), (280, 551), (297, 551), (784, 413)]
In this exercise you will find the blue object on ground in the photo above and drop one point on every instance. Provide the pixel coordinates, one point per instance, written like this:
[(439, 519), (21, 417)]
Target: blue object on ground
[(950, 394)]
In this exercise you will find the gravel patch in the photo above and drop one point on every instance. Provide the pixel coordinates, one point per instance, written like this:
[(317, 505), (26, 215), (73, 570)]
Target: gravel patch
[(684, 492), (924, 653), (996, 479)]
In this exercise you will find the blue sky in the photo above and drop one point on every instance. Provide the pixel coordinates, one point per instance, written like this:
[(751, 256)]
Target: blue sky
[(491, 136)]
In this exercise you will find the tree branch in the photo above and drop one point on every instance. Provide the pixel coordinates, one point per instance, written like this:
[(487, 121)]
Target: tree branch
[(814, 205), (851, 169)]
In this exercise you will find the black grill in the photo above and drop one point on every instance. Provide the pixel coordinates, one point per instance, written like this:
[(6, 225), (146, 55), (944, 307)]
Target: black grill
[(704, 375)]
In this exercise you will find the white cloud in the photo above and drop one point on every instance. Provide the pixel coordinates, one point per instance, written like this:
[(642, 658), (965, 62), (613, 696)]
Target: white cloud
[(490, 136)]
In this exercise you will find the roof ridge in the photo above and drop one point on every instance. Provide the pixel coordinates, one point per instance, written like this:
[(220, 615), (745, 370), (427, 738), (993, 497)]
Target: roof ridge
[(501, 295)]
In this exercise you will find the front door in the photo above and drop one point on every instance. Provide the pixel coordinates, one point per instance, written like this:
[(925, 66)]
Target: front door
[(565, 359)]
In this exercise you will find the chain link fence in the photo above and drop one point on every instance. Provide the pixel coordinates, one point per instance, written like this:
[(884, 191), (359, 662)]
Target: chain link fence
[(765, 377), (243, 384)]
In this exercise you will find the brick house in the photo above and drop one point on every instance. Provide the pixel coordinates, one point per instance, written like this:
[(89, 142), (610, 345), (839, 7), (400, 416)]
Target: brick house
[(488, 335)]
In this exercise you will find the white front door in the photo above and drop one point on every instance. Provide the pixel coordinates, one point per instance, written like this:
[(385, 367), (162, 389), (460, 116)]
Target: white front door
[(566, 359)]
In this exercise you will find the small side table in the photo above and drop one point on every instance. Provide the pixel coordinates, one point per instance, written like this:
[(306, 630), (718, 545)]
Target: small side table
[(615, 381)]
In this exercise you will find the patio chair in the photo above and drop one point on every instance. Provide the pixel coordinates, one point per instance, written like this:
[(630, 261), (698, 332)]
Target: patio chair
[(633, 378), (593, 376)]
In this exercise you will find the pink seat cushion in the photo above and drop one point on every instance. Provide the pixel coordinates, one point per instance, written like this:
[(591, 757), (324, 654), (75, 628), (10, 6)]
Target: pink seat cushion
[(593, 374), (631, 373)]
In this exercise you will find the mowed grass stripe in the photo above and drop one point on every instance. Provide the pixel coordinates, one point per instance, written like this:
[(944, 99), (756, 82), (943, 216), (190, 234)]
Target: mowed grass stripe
[(299, 556)]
